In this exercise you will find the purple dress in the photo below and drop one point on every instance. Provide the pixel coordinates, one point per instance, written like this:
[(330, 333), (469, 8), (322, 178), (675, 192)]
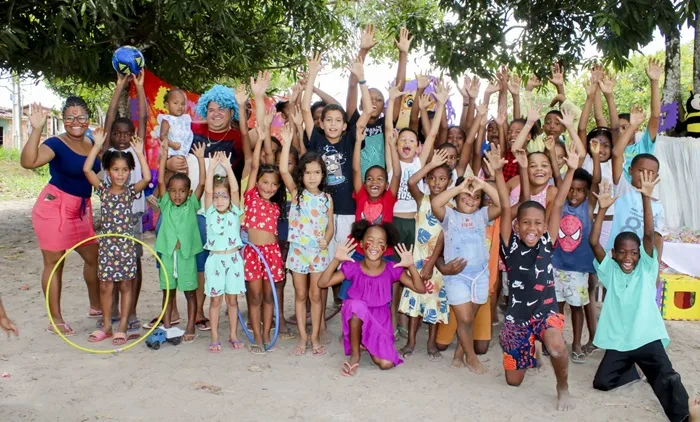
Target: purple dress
[(369, 298)]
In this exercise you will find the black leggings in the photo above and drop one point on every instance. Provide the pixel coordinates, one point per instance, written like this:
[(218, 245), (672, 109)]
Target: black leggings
[(617, 369)]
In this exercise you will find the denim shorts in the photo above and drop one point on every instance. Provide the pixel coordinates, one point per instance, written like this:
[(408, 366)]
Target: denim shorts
[(468, 286)]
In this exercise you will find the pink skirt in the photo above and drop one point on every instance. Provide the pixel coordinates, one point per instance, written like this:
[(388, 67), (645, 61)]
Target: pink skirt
[(61, 220)]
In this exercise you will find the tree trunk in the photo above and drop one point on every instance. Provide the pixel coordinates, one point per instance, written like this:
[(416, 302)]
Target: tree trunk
[(696, 55), (672, 69), (123, 107)]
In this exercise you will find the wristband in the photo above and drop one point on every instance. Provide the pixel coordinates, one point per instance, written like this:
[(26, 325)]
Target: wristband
[(362, 82)]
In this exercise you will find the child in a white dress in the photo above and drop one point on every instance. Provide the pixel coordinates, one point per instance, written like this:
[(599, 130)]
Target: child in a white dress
[(176, 126)]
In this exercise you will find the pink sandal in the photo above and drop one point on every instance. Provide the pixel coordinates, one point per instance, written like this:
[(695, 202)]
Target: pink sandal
[(98, 335), (94, 313)]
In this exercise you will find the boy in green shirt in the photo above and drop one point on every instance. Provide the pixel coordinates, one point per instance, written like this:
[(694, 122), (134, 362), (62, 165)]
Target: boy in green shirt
[(630, 328)]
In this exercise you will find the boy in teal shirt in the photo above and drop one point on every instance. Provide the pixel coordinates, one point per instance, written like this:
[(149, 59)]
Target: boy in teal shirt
[(630, 328)]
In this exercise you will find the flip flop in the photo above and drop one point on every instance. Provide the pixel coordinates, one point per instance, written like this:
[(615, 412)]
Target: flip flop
[(319, 351), (578, 357), (68, 332), (134, 325), (236, 344), (97, 336), (149, 325), (287, 336), (215, 347), (94, 313), (349, 370), (119, 339), (101, 323), (202, 325), (256, 349), (298, 351), (132, 336), (191, 340), (435, 357), (590, 349), (268, 348)]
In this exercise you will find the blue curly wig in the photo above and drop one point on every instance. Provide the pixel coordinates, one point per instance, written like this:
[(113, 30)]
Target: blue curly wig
[(222, 95)]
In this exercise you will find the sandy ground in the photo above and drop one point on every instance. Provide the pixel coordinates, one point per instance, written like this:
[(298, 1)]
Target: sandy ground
[(52, 381)]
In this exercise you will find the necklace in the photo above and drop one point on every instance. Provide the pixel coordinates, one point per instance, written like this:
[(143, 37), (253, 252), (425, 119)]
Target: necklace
[(209, 133)]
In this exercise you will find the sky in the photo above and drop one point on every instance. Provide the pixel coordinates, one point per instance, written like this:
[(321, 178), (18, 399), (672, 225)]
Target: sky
[(334, 82)]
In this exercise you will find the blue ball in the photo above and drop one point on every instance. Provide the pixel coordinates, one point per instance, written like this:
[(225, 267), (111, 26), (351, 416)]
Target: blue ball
[(128, 60)]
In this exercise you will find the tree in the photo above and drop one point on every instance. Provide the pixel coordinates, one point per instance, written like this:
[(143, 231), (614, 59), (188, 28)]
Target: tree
[(188, 43)]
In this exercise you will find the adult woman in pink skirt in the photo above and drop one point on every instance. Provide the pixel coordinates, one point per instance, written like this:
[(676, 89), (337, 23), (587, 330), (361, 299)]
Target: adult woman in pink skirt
[(62, 214)]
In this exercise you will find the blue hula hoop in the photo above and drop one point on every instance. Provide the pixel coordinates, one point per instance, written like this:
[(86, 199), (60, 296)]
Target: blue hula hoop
[(274, 297)]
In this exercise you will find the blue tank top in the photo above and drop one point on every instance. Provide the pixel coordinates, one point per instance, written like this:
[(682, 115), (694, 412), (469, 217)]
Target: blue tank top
[(572, 251), (66, 169)]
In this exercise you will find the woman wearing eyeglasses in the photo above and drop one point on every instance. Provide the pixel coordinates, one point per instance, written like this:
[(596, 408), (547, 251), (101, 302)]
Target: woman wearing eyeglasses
[(62, 214)]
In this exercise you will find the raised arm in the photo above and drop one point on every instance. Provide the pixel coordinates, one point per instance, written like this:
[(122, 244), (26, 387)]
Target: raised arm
[(468, 101), (367, 42), (137, 145), (533, 115), (442, 93), (439, 202), (357, 159), (523, 179), (325, 97), (606, 85), (493, 156), (143, 108), (162, 158), (422, 82), (605, 201), (579, 146), (647, 188), (34, 154), (495, 165), (467, 149), (597, 76), (99, 138), (314, 64), (357, 68), (596, 175), (591, 92), (111, 116), (259, 88), (255, 163), (514, 88), (198, 151), (242, 99), (411, 277), (390, 141), (439, 158), (654, 73), (209, 183), (572, 161), (403, 44), (287, 134), (331, 276), (637, 117)]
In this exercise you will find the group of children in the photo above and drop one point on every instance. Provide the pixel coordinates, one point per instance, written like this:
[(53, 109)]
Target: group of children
[(344, 199)]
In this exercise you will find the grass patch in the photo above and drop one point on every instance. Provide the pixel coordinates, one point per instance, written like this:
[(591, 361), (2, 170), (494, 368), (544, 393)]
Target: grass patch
[(17, 182)]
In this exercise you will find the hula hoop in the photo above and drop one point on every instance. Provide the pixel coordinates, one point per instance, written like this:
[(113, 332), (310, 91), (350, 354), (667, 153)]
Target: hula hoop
[(126, 346), (274, 297)]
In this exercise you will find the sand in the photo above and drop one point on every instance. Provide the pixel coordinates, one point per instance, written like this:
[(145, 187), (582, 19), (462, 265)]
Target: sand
[(50, 380)]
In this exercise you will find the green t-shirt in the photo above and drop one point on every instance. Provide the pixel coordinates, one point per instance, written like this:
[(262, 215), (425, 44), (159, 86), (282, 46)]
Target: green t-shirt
[(630, 317), (179, 224)]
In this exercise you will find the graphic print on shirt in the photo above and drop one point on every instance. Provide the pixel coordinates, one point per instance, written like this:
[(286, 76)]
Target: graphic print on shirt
[(635, 220), (373, 212), (570, 230), (404, 194), (334, 161)]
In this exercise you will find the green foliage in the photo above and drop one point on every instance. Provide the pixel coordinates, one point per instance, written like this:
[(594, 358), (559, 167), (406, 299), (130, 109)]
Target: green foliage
[(96, 96), (188, 43), (16, 182)]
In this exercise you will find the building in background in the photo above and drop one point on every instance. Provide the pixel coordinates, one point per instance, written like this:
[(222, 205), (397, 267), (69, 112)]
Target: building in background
[(54, 126)]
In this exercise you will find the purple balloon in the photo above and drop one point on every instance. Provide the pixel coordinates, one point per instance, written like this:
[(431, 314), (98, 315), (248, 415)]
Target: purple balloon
[(669, 116)]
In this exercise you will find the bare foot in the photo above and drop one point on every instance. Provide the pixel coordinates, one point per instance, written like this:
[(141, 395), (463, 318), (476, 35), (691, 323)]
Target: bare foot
[(476, 366), (406, 351), (457, 363), (694, 409), (323, 337), (564, 401)]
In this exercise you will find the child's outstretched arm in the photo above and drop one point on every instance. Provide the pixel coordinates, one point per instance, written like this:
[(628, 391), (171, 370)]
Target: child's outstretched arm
[(523, 179), (298, 120), (605, 201), (647, 188), (494, 155), (442, 93), (314, 64), (367, 42), (357, 159), (568, 122), (637, 117), (606, 85), (255, 163), (394, 94), (495, 165), (422, 82), (465, 157), (411, 277), (99, 139), (533, 115), (596, 176), (162, 158), (439, 202), (403, 44), (143, 110), (357, 68), (209, 183), (572, 161), (514, 88), (198, 151), (439, 158), (122, 80), (393, 153), (468, 101), (330, 276), (325, 97), (287, 134), (5, 322), (232, 182), (591, 92), (425, 123), (654, 71), (242, 99), (137, 145)]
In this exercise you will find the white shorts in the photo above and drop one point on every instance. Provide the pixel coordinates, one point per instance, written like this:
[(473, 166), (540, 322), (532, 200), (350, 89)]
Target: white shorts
[(571, 287)]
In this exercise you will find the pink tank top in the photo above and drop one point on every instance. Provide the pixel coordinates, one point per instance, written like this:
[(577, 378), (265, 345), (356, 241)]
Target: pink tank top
[(540, 197)]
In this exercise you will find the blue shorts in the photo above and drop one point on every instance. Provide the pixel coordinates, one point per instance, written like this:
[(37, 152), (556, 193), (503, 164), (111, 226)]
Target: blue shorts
[(201, 257), (468, 286)]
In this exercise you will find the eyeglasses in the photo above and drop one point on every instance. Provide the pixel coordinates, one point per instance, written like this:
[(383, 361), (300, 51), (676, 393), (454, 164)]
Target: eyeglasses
[(82, 119)]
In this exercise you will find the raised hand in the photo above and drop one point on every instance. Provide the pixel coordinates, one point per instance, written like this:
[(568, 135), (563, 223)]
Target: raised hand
[(557, 99), (241, 94), (474, 87), (287, 134), (532, 83), (653, 69), (481, 110), (138, 79), (595, 147), (648, 183), (590, 87), (137, 144), (367, 41), (442, 92), (557, 78), (424, 101), (395, 92), (404, 41), (198, 150), (549, 142), (269, 117), (439, 158), (597, 73), (357, 68), (606, 84), (259, 86), (533, 115), (572, 157), (637, 116), (297, 118), (521, 157), (37, 116), (423, 81), (464, 89), (406, 256), (343, 252), (296, 91), (225, 160), (314, 64), (493, 86), (500, 118), (514, 84), (605, 197), (98, 136), (567, 119), (493, 159)]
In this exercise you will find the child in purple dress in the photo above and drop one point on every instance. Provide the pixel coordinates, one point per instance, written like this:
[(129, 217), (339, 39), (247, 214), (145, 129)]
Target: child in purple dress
[(366, 312)]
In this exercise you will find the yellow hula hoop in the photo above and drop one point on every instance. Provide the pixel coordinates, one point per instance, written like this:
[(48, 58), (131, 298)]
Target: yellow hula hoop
[(127, 346)]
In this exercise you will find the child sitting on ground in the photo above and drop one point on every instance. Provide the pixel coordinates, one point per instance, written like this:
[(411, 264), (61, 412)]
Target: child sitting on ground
[(631, 329)]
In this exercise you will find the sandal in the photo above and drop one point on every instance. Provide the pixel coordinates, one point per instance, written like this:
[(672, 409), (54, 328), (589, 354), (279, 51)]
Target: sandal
[(202, 325), (101, 322), (67, 331), (349, 370), (269, 347), (94, 313), (298, 351), (256, 349), (189, 338), (578, 357), (134, 325), (289, 335), (215, 347), (319, 351), (98, 335), (119, 339), (236, 344), (589, 349), (149, 325)]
